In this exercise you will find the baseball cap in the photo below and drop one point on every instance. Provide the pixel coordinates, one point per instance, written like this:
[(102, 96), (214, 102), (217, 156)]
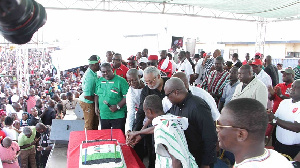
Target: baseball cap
[(256, 62), (143, 59), (289, 71), (259, 54)]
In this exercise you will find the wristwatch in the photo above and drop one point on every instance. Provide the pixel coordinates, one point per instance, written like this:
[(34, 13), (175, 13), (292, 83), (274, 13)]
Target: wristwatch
[(274, 121), (118, 107), (44, 148)]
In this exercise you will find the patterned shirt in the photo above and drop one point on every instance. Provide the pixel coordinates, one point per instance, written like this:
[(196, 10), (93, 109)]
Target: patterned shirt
[(297, 72), (215, 82)]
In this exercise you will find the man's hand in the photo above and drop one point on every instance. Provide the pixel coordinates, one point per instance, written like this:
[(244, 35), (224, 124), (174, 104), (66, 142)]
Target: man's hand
[(270, 115), (278, 91), (133, 138), (271, 90), (35, 141), (97, 111), (39, 148), (113, 108)]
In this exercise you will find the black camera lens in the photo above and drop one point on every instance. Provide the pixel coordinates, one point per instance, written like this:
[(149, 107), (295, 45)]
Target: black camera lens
[(20, 19)]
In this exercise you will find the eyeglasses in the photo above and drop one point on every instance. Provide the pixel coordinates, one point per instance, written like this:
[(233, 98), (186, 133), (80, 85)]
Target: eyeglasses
[(151, 81), (151, 63), (170, 93), (218, 126)]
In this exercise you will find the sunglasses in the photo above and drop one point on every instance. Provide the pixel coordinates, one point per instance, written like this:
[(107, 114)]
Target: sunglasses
[(151, 63), (218, 126)]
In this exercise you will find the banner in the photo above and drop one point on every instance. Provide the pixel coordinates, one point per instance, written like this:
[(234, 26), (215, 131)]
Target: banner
[(177, 43)]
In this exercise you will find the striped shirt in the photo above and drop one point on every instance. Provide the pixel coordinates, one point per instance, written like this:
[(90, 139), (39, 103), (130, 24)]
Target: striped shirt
[(215, 82), (169, 132)]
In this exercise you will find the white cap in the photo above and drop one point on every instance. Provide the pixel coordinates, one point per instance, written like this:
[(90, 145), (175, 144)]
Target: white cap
[(143, 59)]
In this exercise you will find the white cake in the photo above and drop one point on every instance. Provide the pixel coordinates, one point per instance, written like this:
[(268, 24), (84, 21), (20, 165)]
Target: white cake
[(102, 156)]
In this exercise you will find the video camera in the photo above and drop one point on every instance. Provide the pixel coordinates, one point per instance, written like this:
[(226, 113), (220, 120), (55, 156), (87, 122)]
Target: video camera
[(20, 19)]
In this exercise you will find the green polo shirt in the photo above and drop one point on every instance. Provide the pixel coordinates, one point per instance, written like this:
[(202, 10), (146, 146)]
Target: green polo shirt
[(88, 85), (23, 140), (112, 91)]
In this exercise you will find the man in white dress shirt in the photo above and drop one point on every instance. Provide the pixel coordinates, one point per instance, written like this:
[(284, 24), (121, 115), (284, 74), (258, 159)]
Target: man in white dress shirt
[(262, 76), (133, 96), (184, 65)]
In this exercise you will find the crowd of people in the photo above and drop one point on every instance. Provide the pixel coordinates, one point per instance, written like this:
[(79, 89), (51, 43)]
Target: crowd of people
[(183, 113)]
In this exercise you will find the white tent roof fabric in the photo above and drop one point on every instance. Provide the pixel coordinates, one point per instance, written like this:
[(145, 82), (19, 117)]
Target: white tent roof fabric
[(262, 8)]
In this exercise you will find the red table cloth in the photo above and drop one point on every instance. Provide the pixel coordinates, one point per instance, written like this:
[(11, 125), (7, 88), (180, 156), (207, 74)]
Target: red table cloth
[(76, 138)]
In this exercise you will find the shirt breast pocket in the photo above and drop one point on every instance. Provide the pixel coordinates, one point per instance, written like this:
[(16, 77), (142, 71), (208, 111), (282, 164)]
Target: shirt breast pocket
[(114, 92)]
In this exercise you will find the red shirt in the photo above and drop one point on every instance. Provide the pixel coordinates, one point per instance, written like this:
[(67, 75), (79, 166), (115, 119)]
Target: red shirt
[(121, 71), (168, 70), (285, 90), (2, 135)]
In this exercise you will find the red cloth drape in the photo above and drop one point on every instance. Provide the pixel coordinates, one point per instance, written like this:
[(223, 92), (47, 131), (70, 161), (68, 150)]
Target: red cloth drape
[(76, 138)]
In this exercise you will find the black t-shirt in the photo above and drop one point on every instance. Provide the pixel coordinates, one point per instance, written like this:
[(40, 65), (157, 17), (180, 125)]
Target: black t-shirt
[(49, 115)]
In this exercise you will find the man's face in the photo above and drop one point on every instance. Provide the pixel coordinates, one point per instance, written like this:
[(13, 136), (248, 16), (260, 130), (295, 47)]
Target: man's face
[(181, 57), (24, 117), (247, 57), (233, 74), (109, 56), (279, 67), (148, 113), (96, 67), (216, 53), (295, 91), (151, 80), (170, 94), (40, 130), (117, 61), (34, 112), (107, 73), (287, 77), (219, 65), (70, 98), (138, 55), (144, 53), (226, 135), (131, 64), (152, 63), (256, 68), (163, 54), (32, 92), (244, 75), (142, 65), (28, 135), (133, 81)]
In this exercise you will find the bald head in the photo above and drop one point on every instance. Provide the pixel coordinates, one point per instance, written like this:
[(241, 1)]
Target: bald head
[(40, 127), (133, 72), (6, 142), (175, 83), (183, 77)]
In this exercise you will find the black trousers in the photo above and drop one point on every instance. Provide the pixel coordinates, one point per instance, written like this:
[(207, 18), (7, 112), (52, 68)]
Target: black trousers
[(291, 150), (115, 123)]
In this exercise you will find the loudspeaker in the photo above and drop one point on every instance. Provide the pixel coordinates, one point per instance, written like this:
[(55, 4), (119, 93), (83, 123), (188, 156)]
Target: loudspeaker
[(60, 129)]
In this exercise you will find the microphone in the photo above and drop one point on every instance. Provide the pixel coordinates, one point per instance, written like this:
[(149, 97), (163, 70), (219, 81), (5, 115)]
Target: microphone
[(105, 102)]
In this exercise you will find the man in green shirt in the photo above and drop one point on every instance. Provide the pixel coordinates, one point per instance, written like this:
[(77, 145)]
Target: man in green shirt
[(111, 93), (27, 142), (87, 97)]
